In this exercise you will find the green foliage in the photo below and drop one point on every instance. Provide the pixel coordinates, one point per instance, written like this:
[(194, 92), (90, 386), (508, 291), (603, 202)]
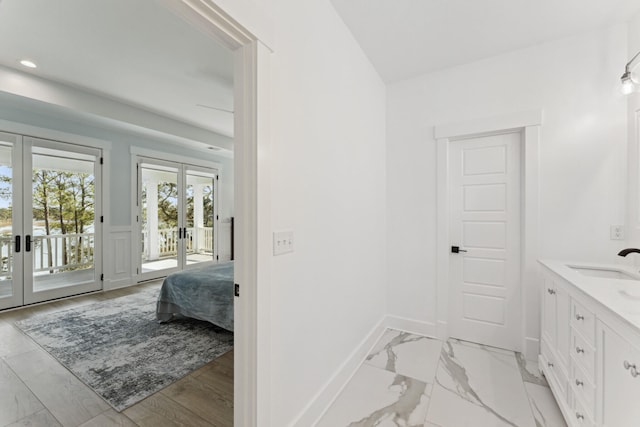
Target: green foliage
[(64, 203), (207, 208), (64, 200)]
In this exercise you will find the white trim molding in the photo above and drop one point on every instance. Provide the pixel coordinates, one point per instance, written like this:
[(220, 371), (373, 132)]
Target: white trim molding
[(412, 326), (154, 154), (252, 104), (507, 122), (118, 267), (528, 124)]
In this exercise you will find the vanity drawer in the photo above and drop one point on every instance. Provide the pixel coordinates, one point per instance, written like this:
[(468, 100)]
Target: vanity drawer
[(581, 415), (583, 353), (583, 388), (583, 321)]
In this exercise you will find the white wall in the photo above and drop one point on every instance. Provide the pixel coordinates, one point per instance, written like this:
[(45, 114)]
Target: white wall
[(583, 154), (633, 220), (328, 185)]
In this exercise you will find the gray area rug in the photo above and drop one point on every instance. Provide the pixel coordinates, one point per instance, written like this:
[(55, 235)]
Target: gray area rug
[(118, 349)]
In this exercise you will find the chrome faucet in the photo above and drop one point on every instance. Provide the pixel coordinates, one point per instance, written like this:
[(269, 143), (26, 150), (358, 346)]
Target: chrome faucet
[(628, 251)]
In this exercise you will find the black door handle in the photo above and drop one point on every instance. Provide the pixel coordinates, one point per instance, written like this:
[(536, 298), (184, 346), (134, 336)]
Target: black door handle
[(456, 249), (17, 244), (179, 232), (27, 243)]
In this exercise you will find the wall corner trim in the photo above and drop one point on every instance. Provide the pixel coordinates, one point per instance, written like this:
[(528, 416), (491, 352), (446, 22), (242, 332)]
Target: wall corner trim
[(489, 124)]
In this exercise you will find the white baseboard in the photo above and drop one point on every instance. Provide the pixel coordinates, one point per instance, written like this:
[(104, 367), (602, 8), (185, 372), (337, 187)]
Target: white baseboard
[(312, 413), (442, 330), (416, 327), (531, 348)]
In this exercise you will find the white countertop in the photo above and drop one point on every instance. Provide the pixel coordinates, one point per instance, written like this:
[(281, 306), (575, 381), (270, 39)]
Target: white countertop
[(619, 296)]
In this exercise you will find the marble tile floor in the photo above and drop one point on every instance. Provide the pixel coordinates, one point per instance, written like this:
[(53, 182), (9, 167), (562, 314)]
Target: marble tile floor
[(410, 381), (36, 390)]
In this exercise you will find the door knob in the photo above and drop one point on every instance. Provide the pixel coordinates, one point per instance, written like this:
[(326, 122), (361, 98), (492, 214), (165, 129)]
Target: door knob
[(456, 249)]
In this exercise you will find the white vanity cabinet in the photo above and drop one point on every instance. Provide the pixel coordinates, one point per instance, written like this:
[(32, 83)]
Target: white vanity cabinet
[(620, 389), (589, 354), (555, 330)]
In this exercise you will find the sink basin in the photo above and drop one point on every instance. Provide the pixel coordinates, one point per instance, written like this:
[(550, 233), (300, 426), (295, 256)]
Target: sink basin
[(604, 273)]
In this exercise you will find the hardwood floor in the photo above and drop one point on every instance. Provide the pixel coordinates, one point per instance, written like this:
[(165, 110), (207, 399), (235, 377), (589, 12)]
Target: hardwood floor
[(36, 390)]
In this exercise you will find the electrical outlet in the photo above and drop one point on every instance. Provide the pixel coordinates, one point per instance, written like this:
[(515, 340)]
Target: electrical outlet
[(282, 242), (617, 232)]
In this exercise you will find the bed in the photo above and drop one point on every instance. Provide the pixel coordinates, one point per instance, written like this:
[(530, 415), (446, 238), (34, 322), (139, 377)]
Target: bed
[(202, 293)]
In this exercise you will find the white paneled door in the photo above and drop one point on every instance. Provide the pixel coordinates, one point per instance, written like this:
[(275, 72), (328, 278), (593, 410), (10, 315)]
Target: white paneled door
[(485, 290)]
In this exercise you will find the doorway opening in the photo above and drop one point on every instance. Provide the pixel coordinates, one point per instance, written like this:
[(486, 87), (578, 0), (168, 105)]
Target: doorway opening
[(247, 52)]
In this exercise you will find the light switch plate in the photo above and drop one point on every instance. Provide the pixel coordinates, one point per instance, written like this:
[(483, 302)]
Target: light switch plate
[(282, 242)]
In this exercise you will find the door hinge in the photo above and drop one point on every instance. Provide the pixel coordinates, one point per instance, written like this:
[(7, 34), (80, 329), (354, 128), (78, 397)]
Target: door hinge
[(217, 257), (137, 271), (137, 220), (217, 217), (236, 290), (101, 218), (217, 177), (102, 277), (101, 160)]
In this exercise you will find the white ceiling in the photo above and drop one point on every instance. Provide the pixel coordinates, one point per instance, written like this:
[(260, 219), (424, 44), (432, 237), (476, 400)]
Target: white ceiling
[(406, 38), (135, 52)]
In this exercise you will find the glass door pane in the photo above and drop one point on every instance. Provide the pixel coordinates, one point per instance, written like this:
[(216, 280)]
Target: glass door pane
[(160, 214), (62, 237), (63, 242), (199, 217), (10, 226)]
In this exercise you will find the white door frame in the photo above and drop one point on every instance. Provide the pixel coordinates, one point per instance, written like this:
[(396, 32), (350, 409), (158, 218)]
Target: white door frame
[(528, 123), (252, 206)]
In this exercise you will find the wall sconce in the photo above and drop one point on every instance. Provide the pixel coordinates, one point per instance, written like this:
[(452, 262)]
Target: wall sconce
[(628, 83)]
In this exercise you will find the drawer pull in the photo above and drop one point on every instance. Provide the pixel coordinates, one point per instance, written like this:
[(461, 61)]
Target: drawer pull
[(628, 365), (579, 317), (551, 291), (579, 350), (579, 416), (549, 364), (579, 383)]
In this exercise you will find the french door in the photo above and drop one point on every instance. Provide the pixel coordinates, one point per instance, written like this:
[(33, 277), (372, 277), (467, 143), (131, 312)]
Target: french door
[(177, 217), (50, 234)]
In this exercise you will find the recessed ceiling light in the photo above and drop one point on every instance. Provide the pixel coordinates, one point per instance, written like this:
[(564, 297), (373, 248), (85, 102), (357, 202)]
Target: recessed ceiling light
[(28, 64)]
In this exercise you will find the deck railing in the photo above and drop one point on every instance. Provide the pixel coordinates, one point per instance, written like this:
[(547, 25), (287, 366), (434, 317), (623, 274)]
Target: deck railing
[(52, 252), (49, 250), (200, 242)]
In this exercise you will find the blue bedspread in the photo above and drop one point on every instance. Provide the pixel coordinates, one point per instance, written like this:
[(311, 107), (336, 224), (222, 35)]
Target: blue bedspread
[(202, 293)]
